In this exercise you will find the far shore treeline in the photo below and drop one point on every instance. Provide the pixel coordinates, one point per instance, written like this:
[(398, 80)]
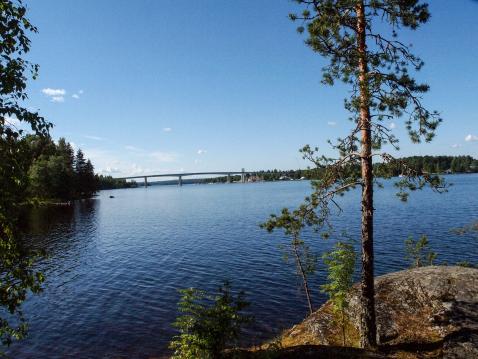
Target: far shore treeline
[(58, 173), (420, 164)]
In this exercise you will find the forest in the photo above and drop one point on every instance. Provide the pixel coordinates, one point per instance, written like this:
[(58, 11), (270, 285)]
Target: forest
[(419, 164)]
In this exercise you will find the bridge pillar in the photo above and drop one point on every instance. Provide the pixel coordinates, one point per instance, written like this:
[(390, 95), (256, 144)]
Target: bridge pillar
[(228, 178), (243, 176), (180, 181), (146, 181)]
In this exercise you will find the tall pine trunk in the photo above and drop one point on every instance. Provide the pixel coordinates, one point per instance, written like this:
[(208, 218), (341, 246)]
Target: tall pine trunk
[(367, 318)]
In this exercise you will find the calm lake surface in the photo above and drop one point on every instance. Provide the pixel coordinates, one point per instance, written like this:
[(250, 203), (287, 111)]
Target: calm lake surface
[(115, 264)]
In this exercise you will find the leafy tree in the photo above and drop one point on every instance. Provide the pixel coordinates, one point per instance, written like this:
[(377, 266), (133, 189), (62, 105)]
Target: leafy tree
[(340, 263), (53, 174), (305, 260), (419, 252), (367, 56), (208, 324), (17, 278), (51, 178)]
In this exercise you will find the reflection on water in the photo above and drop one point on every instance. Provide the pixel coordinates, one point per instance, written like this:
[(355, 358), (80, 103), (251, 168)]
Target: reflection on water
[(114, 265)]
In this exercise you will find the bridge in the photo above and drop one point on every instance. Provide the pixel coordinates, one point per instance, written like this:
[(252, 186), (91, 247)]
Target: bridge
[(186, 174)]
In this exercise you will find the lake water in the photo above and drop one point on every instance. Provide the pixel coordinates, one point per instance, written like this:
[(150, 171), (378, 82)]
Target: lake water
[(115, 264)]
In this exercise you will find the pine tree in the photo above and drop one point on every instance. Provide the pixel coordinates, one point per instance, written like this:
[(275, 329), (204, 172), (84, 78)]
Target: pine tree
[(67, 175), (86, 183), (80, 171), (90, 179), (377, 67)]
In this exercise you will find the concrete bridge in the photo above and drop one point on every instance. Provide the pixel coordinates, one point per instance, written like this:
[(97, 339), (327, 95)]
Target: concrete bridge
[(186, 174)]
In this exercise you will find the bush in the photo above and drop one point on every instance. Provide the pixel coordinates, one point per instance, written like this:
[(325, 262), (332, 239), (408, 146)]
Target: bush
[(208, 324), (419, 252)]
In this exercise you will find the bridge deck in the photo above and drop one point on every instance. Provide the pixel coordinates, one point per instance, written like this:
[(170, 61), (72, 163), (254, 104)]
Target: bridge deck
[(224, 173)]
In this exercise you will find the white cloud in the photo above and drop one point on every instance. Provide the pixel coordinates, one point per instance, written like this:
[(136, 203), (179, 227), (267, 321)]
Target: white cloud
[(163, 156), (392, 125), (57, 99), (53, 92), (111, 170), (96, 138), (123, 163), (55, 95), (201, 152), (456, 145), (471, 138), (332, 123), (136, 169), (167, 129), (77, 95)]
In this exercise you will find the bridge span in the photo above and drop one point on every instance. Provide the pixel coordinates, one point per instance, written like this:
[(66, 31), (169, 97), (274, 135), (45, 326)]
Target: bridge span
[(186, 174)]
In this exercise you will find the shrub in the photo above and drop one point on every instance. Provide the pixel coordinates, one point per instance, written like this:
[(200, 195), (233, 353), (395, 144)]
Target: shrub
[(208, 324), (419, 252)]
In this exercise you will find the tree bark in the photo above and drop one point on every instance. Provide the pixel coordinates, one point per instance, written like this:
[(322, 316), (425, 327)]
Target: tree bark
[(368, 330)]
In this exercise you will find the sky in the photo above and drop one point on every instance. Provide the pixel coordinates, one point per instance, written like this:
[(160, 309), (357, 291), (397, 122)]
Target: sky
[(163, 86)]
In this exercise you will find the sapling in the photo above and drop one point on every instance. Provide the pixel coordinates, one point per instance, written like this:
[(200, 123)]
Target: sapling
[(340, 264), (304, 259), (419, 252), (208, 324)]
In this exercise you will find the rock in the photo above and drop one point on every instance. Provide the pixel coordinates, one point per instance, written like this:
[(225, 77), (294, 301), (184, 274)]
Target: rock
[(462, 345), (432, 310)]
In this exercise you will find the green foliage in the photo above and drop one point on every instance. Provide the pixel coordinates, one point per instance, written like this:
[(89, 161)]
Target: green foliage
[(418, 252), (208, 324), (86, 184), (17, 278), (414, 165), (340, 264), (468, 229), (466, 264), (331, 27), (56, 174), (108, 182)]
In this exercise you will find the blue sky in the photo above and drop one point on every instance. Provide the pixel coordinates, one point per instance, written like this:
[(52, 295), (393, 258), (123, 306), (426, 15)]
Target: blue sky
[(162, 86)]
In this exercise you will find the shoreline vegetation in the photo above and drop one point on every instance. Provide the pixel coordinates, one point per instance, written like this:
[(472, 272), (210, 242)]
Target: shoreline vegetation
[(433, 165)]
